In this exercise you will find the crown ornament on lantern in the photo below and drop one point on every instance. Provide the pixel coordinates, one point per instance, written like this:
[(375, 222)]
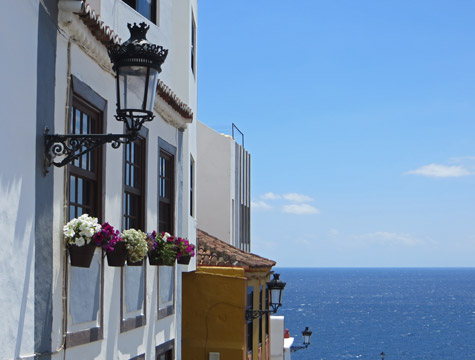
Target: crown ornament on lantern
[(137, 50)]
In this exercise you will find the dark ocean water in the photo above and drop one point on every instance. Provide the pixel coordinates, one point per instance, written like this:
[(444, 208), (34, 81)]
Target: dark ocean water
[(409, 313)]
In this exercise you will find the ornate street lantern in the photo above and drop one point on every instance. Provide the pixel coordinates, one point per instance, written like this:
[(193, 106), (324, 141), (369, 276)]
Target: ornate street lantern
[(306, 336), (306, 341), (276, 287), (137, 64)]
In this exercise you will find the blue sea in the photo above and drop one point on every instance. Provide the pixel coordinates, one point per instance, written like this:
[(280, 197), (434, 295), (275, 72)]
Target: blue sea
[(409, 313)]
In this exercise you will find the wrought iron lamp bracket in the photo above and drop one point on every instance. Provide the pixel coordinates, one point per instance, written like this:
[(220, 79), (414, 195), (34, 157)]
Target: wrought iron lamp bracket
[(75, 145), (134, 119), (299, 347), (254, 314)]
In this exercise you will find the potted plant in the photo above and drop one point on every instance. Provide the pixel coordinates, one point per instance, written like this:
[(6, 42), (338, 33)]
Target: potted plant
[(161, 249), (136, 245), (184, 250), (111, 242), (78, 234)]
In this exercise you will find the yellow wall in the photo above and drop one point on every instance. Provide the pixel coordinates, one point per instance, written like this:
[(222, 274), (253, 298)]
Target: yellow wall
[(213, 313), (214, 303), (258, 279)]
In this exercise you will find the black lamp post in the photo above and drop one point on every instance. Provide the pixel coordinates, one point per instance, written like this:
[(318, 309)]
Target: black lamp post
[(137, 64), (306, 340), (383, 355), (275, 287)]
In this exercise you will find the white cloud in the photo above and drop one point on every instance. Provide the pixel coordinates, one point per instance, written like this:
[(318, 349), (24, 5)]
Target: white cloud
[(437, 170), (383, 237), (298, 198), (260, 205), (270, 196), (300, 209)]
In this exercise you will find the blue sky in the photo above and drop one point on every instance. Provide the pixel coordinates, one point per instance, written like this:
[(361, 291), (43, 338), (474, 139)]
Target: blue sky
[(360, 118)]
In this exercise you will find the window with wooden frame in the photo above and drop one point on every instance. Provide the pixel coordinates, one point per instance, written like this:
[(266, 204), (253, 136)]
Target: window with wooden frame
[(166, 210), (260, 316), (250, 322), (165, 351), (147, 8), (166, 187), (85, 286), (193, 44), (192, 186), (134, 278), (134, 185), (267, 308)]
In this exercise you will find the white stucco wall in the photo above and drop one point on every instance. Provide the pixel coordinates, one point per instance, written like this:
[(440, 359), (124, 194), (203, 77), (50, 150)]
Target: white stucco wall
[(277, 326), (215, 182), (19, 24), (125, 345), (17, 175)]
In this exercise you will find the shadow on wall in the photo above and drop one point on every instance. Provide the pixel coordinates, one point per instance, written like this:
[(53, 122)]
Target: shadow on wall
[(16, 226)]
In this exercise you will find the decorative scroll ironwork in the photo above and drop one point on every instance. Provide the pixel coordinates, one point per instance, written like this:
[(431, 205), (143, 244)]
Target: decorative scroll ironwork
[(74, 146), (300, 347), (132, 119), (254, 314)]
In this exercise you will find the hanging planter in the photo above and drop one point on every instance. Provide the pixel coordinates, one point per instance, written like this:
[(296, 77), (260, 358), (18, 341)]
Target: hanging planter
[(81, 256), (162, 251), (117, 256), (136, 246), (78, 234), (184, 250), (109, 240), (134, 263), (160, 262), (184, 260)]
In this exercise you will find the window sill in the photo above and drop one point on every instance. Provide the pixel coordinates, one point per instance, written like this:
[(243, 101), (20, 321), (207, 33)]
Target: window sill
[(84, 337), (132, 323), (165, 312)]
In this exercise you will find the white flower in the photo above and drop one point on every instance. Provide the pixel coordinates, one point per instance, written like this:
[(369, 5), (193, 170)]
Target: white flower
[(69, 233), (80, 230), (166, 236), (87, 232)]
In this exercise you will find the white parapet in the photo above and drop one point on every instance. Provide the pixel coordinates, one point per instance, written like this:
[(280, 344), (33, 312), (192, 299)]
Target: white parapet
[(279, 346)]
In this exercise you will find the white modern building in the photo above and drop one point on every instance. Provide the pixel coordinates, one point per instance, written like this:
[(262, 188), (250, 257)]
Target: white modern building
[(224, 183), (57, 74)]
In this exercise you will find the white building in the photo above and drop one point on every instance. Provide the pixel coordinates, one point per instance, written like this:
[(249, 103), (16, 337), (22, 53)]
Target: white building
[(224, 183), (57, 74)]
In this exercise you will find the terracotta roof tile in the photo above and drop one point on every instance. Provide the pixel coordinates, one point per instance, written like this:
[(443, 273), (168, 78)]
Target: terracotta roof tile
[(215, 252), (107, 36)]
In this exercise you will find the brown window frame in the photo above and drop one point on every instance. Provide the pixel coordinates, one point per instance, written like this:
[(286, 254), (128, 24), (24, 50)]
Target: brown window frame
[(260, 316), (193, 44), (250, 321), (83, 97), (140, 192), (153, 10), (167, 349), (134, 191), (192, 186), (169, 151)]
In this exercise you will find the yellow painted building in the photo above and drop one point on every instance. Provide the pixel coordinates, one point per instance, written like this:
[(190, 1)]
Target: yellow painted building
[(227, 282)]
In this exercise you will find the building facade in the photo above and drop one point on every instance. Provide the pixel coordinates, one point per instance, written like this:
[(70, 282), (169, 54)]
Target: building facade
[(224, 183), (59, 76), (227, 286)]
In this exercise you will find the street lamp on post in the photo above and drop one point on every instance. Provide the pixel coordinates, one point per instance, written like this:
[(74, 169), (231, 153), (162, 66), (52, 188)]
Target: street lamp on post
[(137, 64), (383, 355), (275, 287), (306, 341)]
